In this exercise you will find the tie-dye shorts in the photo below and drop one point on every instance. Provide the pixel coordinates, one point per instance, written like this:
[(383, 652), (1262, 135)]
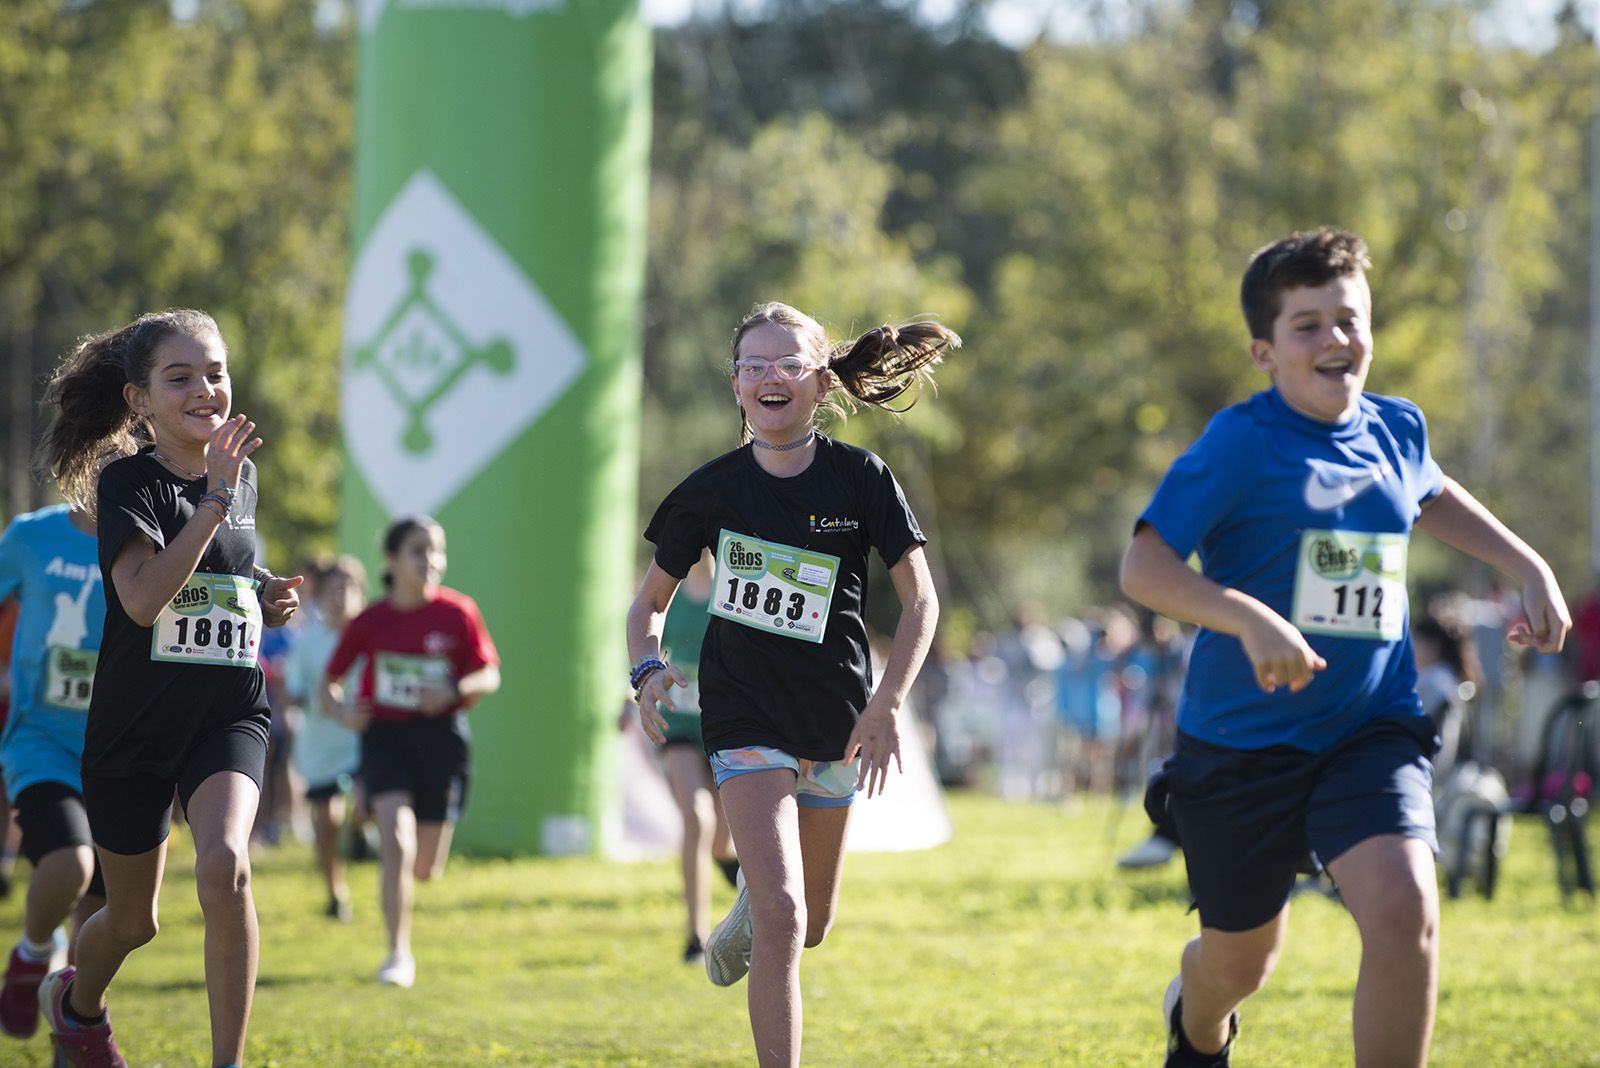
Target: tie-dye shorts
[(818, 783)]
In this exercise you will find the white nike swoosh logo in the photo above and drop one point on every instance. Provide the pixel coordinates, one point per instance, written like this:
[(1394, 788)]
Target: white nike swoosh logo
[(1323, 498)]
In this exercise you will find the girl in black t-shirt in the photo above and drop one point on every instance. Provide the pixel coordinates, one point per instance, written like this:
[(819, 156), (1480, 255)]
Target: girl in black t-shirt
[(178, 703), (786, 695)]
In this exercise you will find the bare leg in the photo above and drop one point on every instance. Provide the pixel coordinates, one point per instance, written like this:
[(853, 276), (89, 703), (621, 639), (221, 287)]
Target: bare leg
[(397, 824), (1390, 887), (822, 833), (689, 776), (1221, 969), (59, 881), (221, 813), (127, 922), (433, 848), (327, 819)]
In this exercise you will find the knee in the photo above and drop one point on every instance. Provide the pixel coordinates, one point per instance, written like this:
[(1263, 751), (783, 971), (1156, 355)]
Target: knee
[(818, 924), (1237, 975), (132, 929), (780, 915), (1405, 915), (221, 874)]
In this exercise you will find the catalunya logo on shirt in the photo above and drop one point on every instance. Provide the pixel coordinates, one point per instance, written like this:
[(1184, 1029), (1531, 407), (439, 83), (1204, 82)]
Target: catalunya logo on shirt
[(827, 524), (1329, 486)]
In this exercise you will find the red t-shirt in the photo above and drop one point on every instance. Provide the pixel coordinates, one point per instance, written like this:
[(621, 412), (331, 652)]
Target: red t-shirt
[(436, 642)]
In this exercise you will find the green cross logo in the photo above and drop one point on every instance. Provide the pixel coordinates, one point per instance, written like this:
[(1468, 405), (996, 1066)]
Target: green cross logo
[(420, 355)]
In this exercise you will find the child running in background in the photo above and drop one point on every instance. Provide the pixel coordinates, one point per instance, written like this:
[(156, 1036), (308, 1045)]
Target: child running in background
[(1300, 728), (428, 658), (48, 564), (706, 837), (786, 695), (178, 701), (327, 749)]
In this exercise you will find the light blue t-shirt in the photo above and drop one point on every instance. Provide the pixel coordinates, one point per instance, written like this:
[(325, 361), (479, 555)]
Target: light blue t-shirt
[(325, 750), (53, 570), (1244, 497)]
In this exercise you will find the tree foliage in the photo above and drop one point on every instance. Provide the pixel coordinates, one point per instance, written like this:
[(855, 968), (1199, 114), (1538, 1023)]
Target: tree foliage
[(1080, 211)]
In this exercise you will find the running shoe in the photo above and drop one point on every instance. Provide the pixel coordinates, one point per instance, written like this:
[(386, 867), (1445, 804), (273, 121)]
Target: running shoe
[(339, 908), (728, 951), (1179, 1053), (76, 1046), (398, 971), (695, 951), (19, 998), (1150, 853)]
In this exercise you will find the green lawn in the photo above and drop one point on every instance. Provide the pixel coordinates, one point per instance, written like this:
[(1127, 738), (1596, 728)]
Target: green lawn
[(1016, 944)]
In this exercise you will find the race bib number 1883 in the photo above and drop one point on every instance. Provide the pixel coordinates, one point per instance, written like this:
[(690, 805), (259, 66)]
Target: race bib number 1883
[(773, 587), (1351, 584)]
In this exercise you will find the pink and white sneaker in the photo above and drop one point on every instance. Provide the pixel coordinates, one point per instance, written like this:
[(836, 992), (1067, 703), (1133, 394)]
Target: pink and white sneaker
[(76, 1046), (19, 997)]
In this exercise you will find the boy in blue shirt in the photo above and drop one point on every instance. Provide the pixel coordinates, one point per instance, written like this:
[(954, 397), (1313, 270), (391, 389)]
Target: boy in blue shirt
[(1299, 730)]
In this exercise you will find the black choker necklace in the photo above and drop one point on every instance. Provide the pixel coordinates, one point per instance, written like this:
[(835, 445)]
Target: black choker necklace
[(802, 443), (180, 469)]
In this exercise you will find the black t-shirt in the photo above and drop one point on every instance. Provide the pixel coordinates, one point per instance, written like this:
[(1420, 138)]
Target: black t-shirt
[(145, 715), (761, 688)]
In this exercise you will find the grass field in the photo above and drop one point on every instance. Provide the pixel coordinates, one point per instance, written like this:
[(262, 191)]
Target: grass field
[(1016, 944)]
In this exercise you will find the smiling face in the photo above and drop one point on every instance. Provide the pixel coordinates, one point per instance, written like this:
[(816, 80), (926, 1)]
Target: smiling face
[(188, 394), (779, 410), (417, 566), (1321, 347)]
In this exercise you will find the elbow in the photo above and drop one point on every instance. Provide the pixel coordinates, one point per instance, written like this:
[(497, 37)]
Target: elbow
[(1131, 578), (143, 615)]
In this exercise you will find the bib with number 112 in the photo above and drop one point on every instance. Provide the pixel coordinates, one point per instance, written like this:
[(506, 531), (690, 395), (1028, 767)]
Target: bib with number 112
[(1351, 584), (773, 587), (214, 619)]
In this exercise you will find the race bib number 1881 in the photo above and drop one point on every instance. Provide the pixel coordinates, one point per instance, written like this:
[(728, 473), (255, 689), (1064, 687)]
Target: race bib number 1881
[(773, 587), (1351, 584), (214, 619)]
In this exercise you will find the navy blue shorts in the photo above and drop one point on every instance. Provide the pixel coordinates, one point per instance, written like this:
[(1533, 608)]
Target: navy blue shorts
[(1249, 818)]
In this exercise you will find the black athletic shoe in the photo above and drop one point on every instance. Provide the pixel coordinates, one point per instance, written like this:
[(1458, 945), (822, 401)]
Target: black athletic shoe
[(730, 871), (694, 952), (1179, 1053)]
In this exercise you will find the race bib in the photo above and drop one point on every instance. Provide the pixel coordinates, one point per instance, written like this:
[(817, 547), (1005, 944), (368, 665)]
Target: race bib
[(214, 619), (773, 587), (1351, 584), (69, 677), (398, 679)]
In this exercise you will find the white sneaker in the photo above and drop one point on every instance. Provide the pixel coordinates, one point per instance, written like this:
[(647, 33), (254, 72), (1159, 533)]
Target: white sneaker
[(1150, 853), (398, 971), (728, 948)]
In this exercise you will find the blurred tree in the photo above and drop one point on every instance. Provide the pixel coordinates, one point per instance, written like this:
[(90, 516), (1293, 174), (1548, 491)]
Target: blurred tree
[(149, 161)]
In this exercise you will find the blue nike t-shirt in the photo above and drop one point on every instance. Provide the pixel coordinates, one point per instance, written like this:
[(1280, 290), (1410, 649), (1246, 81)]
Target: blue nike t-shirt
[(1311, 519), (53, 569)]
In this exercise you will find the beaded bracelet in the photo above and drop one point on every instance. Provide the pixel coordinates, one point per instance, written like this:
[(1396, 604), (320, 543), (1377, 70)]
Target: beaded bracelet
[(643, 669), (221, 512), (222, 502)]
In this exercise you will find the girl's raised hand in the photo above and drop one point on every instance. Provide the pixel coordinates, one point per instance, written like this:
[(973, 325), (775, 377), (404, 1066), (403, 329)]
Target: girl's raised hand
[(226, 451)]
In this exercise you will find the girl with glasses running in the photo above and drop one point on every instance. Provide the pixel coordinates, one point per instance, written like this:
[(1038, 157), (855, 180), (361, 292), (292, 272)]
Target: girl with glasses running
[(789, 715)]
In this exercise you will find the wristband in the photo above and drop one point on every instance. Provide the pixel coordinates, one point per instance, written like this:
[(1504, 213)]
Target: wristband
[(216, 507), (261, 574), (642, 670)]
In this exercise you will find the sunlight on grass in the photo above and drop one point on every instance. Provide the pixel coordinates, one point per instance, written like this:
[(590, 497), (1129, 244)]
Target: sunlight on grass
[(1017, 944)]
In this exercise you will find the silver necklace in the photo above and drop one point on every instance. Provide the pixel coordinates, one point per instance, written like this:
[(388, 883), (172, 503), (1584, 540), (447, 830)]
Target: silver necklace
[(179, 468), (802, 443)]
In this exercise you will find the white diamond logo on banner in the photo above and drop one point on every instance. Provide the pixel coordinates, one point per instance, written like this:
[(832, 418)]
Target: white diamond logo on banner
[(450, 351)]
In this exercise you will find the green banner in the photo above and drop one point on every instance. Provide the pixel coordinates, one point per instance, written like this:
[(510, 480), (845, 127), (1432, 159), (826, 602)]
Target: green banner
[(491, 374)]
